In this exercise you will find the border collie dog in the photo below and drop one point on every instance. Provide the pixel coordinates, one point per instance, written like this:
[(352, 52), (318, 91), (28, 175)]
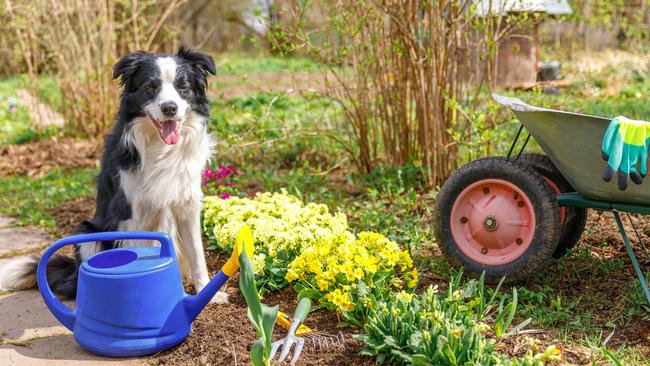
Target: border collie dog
[(151, 168)]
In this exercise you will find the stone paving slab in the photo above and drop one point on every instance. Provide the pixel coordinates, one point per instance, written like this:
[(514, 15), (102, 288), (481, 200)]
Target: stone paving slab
[(26, 318), (20, 238), (57, 350), (24, 315)]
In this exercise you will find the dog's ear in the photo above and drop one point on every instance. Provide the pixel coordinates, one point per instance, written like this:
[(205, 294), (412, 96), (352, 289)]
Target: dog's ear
[(201, 60), (129, 64)]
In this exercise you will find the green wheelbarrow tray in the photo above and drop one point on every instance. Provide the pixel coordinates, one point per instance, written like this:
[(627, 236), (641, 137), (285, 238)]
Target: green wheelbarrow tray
[(573, 142)]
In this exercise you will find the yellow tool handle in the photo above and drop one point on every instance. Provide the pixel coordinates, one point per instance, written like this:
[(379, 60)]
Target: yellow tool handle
[(284, 320)]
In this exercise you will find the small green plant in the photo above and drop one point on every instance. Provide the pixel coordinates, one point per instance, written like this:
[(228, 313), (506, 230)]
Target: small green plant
[(434, 329), (262, 316), (395, 179)]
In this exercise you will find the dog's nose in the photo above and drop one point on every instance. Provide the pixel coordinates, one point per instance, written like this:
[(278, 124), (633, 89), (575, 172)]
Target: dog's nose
[(169, 109)]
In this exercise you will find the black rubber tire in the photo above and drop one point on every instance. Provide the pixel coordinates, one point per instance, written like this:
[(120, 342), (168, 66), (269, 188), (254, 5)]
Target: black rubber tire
[(576, 217), (541, 196)]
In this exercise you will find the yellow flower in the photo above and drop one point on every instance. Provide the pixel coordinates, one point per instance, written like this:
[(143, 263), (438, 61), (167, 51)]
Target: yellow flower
[(404, 296), (323, 284), (340, 299), (414, 278), (315, 245), (291, 275)]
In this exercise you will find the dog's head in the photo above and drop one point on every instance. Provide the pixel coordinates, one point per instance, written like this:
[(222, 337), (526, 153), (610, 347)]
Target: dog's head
[(167, 89)]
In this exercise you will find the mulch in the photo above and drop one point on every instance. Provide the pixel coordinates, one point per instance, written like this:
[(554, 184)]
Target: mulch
[(37, 158)]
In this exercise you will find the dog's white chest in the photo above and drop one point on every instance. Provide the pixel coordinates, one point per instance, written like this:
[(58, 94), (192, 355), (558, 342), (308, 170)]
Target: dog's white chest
[(168, 178)]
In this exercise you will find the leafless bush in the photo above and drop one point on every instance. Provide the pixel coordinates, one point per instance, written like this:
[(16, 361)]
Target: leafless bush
[(82, 39), (401, 69)]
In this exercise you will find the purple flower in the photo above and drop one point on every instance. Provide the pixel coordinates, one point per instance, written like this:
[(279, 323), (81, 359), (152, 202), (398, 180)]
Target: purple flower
[(217, 180)]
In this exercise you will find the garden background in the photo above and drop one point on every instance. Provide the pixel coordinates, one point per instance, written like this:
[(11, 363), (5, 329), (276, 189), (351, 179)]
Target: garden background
[(343, 116)]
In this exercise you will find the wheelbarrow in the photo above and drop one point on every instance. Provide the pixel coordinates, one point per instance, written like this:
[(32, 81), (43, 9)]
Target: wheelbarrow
[(508, 216)]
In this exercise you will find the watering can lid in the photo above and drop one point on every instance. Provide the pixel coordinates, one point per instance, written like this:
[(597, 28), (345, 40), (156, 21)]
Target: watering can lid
[(130, 260)]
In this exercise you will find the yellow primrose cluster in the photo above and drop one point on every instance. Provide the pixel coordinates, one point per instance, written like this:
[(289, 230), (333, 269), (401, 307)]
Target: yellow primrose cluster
[(338, 264), (279, 222), (309, 244)]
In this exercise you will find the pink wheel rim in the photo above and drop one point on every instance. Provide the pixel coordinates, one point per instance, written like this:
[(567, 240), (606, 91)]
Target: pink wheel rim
[(557, 191), (493, 222)]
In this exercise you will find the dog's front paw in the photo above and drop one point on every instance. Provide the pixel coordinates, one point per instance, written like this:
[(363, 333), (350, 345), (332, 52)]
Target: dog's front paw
[(220, 298)]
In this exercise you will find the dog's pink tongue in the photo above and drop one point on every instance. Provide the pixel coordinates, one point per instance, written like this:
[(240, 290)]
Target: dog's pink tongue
[(169, 132)]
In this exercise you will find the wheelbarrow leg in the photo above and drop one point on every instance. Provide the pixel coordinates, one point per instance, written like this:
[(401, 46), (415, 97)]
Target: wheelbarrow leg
[(630, 252)]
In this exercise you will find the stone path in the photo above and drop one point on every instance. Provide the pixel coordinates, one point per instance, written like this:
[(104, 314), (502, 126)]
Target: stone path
[(29, 333), (41, 114), (19, 239)]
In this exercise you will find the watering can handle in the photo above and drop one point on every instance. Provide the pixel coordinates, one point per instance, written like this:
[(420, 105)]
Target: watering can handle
[(63, 312)]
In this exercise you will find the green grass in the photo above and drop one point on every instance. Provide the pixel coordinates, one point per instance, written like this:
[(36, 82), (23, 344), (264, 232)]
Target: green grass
[(631, 100), (15, 128), (244, 63), (287, 130), (30, 199)]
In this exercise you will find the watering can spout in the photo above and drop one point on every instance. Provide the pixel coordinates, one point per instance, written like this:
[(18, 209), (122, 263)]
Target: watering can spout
[(194, 304)]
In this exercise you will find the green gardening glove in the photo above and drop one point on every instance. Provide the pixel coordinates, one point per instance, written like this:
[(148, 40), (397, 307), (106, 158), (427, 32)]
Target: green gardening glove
[(625, 148)]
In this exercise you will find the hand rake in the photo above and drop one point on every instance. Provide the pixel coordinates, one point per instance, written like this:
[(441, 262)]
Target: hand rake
[(318, 340), (286, 343)]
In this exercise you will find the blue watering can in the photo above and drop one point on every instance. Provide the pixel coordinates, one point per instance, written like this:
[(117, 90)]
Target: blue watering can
[(131, 301)]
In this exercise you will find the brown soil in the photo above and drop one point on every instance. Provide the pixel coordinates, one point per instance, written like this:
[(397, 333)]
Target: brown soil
[(223, 335), (39, 157), (603, 292), (70, 213)]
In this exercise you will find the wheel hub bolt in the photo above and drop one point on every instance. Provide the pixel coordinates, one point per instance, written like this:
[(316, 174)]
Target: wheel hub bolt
[(520, 203), (463, 220), (484, 250), (519, 241), (490, 223)]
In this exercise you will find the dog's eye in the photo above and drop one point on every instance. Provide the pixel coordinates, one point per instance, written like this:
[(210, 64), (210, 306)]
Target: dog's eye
[(183, 88), (149, 89)]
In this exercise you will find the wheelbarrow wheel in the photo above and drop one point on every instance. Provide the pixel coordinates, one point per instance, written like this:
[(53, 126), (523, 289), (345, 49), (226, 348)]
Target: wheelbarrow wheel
[(573, 219), (498, 216)]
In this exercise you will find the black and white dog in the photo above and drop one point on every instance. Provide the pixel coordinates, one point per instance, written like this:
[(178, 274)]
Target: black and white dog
[(151, 168)]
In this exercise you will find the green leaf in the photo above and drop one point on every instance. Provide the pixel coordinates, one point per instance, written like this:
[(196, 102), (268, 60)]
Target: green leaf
[(257, 353), (262, 316), (420, 360), (441, 342), (310, 293), (390, 340), (415, 340), (519, 327)]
